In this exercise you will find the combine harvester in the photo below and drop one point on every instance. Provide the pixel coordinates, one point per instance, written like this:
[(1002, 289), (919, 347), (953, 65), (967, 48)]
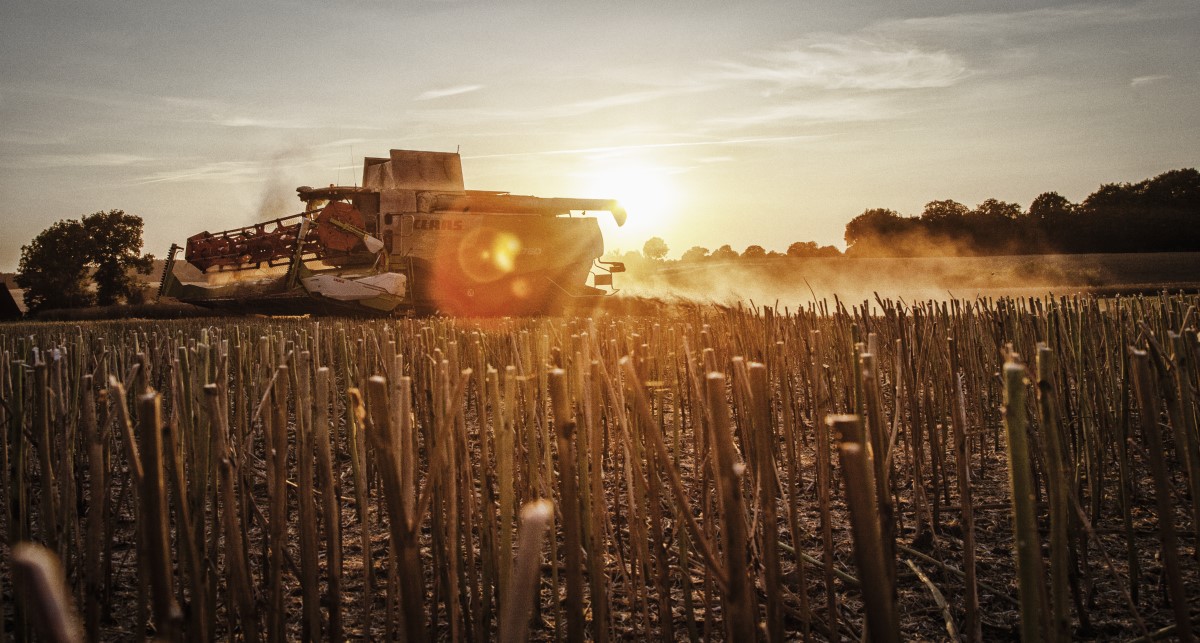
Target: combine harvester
[(411, 240)]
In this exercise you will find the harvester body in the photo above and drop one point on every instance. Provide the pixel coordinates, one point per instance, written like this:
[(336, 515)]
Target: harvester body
[(410, 239)]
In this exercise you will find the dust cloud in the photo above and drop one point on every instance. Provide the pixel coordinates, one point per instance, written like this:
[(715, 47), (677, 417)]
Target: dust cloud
[(278, 196), (278, 199), (795, 282)]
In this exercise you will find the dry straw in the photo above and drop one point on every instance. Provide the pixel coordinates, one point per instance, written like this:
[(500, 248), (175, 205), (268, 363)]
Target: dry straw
[(614, 477)]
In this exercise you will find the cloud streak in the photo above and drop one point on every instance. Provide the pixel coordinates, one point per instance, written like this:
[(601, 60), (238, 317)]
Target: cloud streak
[(434, 94), (223, 171), (95, 160), (649, 146), (859, 62), (544, 112), (808, 112), (1033, 21), (1147, 80), (264, 123)]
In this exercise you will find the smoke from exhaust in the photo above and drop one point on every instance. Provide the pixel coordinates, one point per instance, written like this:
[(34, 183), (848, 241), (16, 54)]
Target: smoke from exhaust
[(283, 171), (278, 199)]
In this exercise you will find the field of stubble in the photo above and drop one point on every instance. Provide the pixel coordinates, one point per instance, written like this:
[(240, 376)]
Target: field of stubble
[(706, 473)]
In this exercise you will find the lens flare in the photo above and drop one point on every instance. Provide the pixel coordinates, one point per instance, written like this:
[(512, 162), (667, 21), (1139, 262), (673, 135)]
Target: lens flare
[(485, 254), (520, 288)]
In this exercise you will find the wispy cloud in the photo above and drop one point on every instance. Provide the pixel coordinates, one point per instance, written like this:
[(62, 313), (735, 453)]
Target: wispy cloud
[(1037, 21), (625, 99), (282, 162), (809, 112), (1147, 80), (224, 171), (860, 62), (647, 146), (265, 123), (447, 92), (274, 122), (99, 159), (550, 111)]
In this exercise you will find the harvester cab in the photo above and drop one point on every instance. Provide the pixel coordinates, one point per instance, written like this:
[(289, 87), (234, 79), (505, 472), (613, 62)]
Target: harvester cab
[(410, 239)]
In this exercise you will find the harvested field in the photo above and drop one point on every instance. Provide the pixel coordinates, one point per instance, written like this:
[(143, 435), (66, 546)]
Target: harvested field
[(705, 474)]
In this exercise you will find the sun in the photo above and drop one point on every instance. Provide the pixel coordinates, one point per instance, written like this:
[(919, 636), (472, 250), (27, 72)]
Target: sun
[(649, 195), (643, 191)]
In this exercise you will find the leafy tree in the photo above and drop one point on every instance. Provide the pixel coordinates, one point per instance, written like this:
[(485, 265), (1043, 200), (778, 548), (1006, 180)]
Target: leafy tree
[(754, 252), (873, 222), (724, 253), (1110, 197), (1049, 208), (695, 253), (54, 266), (992, 227), (655, 249), (943, 215), (802, 249), (996, 210), (811, 249), (1178, 189), (1113, 219), (631, 257), (116, 241), (875, 231)]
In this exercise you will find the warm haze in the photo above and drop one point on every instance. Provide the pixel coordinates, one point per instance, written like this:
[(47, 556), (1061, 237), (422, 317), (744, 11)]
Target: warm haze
[(715, 122)]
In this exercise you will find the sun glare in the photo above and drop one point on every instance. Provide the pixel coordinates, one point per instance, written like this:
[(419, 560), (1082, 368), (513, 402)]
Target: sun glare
[(648, 194)]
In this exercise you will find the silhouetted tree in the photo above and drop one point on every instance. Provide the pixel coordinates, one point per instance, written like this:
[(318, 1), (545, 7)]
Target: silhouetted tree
[(997, 210), (1105, 216), (655, 248), (1049, 209), (1050, 222), (1155, 215), (116, 243), (945, 221), (802, 249), (1176, 189), (811, 249), (754, 252), (54, 266), (992, 227), (695, 253), (878, 232), (724, 253), (631, 257)]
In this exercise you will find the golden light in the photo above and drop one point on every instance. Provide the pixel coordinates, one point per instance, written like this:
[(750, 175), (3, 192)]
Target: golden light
[(521, 288), (486, 255), (647, 192)]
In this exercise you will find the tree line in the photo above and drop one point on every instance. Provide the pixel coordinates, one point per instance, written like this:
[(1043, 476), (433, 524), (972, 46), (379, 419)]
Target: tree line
[(655, 251), (1155, 215)]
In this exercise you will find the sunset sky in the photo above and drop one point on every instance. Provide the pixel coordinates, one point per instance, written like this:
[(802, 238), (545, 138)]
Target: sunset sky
[(717, 122)]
